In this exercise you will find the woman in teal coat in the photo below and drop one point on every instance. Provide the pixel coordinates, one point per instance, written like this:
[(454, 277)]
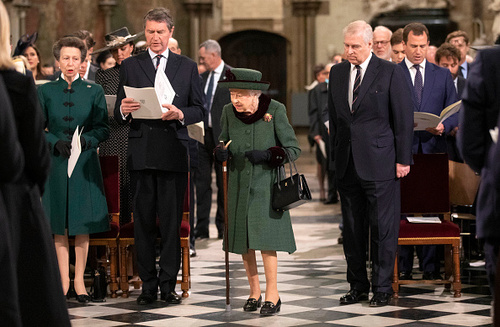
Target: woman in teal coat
[(75, 205), (259, 132)]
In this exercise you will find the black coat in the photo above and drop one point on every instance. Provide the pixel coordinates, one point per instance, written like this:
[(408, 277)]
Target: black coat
[(33, 247), (221, 98), (479, 114), (154, 143), (11, 166)]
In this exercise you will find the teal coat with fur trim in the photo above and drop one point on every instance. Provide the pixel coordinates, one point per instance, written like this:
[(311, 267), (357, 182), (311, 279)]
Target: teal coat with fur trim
[(77, 203), (253, 224)]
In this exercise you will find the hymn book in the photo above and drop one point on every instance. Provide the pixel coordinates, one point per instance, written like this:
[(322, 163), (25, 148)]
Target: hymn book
[(425, 120)]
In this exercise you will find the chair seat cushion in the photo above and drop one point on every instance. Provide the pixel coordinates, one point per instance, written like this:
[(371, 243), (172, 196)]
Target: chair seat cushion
[(445, 229), (112, 233), (185, 229), (127, 230)]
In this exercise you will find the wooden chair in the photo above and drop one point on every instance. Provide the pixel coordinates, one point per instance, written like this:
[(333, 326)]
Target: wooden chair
[(464, 184), (426, 191), (110, 175), (126, 240)]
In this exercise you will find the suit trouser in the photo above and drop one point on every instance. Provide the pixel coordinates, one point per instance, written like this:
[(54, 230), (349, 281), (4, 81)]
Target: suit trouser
[(379, 202), (158, 194), (203, 183)]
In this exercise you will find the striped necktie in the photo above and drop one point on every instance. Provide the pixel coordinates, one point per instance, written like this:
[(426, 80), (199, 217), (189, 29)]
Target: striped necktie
[(158, 60), (355, 89)]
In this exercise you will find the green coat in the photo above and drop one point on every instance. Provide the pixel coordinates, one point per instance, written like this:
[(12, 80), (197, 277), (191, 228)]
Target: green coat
[(77, 203), (253, 224)]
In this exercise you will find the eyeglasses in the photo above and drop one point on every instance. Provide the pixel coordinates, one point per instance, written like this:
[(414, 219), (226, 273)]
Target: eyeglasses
[(380, 43)]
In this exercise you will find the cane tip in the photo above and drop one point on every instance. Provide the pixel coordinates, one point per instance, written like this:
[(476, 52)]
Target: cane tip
[(228, 308)]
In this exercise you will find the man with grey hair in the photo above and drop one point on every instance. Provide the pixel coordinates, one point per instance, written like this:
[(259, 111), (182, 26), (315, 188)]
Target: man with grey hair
[(173, 45), (371, 126), (215, 99), (382, 42), (158, 153)]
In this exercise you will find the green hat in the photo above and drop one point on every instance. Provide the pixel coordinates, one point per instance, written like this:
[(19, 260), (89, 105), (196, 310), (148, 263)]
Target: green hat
[(243, 78)]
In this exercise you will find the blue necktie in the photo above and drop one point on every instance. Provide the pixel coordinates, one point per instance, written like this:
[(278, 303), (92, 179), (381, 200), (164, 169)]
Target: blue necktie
[(208, 96), (418, 85)]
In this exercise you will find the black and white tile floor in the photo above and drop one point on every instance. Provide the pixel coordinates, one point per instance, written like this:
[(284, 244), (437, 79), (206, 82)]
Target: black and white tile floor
[(310, 282)]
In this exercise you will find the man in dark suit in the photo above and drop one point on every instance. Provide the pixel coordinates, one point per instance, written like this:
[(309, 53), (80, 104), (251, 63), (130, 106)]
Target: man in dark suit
[(479, 115), (448, 56), (460, 40), (371, 123), (432, 91), (158, 153), (215, 99)]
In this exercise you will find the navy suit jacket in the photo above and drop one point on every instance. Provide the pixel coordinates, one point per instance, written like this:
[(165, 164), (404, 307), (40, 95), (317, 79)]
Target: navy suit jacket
[(379, 131), (154, 143), (221, 98), (439, 92), (479, 114)]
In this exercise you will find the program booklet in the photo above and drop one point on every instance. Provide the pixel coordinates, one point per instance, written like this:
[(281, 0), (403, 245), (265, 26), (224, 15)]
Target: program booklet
[(425, 120)]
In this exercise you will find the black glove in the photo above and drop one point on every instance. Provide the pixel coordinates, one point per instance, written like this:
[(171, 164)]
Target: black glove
[(258, 156), (64, 148), (221, 154), (83, 142)]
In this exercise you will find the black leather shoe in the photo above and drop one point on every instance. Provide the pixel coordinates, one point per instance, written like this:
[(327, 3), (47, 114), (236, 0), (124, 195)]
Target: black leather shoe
[(269, 308), (405, 275), (252, 304), (147, 297), (201, 236), (431, 275), (353, 296), (331, 201), (380, 299), (171, 297), (83, 298)]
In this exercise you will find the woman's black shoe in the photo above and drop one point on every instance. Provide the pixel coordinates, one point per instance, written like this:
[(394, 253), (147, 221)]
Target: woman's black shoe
[(83, 298), (269, 309), (252, 304)]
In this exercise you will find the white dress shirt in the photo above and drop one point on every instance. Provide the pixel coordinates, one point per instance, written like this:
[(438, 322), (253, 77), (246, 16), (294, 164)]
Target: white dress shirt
[(413, 71), (217, 72)]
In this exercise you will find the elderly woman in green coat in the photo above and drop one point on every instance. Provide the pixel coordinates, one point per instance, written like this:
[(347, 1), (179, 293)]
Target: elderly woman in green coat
[(75, 205), (259, 132)]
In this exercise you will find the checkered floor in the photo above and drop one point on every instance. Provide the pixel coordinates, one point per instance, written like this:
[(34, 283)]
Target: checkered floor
[(310, 292), (310, 282)]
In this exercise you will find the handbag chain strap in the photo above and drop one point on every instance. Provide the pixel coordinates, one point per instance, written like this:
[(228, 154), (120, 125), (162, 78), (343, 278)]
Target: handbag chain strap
[(282, 169)]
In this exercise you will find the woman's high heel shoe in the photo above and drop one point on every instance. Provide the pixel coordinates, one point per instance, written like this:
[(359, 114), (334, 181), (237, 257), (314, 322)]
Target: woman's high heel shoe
[(83, 298), (252, 304), (269, 308)]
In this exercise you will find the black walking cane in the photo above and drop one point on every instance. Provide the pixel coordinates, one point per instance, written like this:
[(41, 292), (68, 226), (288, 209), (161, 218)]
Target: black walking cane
[(226, 243)]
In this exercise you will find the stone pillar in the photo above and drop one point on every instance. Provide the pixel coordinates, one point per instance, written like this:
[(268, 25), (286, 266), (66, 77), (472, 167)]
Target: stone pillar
[(17, 14), (107, 8), (199, 11), (306, 11)]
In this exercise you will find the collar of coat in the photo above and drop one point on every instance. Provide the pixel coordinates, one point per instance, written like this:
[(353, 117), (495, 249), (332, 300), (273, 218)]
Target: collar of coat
[(264, 102)]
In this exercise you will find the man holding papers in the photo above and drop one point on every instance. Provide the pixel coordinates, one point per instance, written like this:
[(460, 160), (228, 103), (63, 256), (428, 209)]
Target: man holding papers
[(158, 151), (432, 91)]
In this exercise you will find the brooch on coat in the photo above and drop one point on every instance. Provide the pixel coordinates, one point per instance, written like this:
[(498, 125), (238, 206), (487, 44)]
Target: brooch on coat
[(268, 117)]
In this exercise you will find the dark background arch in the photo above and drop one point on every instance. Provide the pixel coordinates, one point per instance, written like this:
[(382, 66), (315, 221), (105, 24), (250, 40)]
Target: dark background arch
[(259, 50)]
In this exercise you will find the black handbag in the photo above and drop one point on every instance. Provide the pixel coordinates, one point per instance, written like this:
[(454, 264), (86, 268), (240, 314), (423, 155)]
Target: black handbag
[(289, 192)]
